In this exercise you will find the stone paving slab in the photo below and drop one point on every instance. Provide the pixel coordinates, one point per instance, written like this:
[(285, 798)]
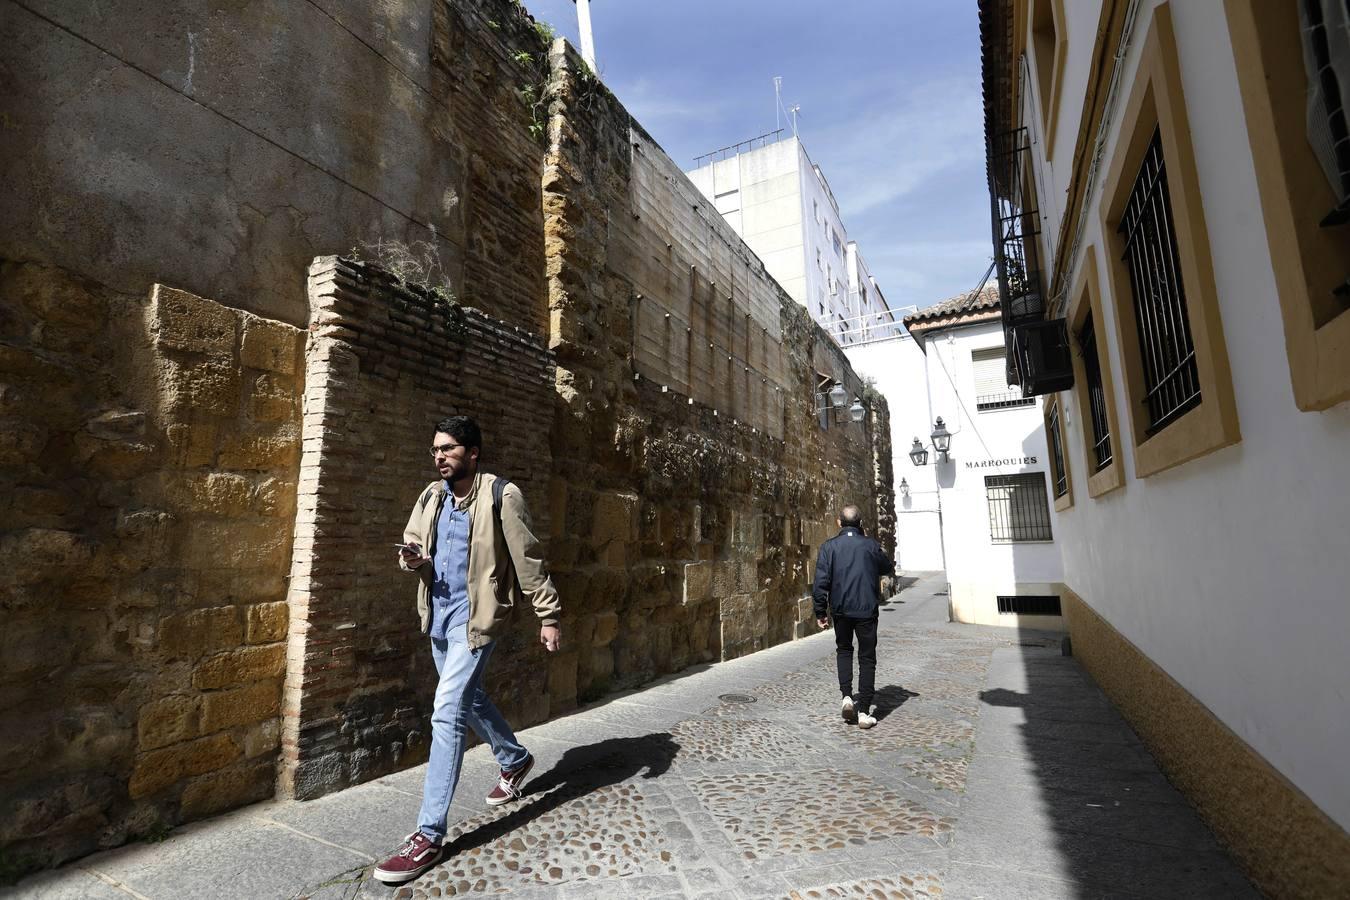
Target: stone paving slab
[(996, 769)]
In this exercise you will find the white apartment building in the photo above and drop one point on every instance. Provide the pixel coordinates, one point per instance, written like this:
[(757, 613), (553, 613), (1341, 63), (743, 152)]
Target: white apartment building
[(1171, 194), (780, 204)]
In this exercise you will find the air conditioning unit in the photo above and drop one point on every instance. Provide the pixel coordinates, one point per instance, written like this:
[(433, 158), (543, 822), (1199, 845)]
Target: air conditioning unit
[(1043, 357)]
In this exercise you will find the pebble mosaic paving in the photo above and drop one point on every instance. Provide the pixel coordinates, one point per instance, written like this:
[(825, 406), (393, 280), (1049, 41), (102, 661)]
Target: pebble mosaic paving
[(944, 772), (710, 740), (896, 887), (711, 805), (777, 814), (554, 838)]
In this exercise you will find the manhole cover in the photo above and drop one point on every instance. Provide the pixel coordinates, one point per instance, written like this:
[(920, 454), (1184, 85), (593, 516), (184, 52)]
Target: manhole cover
[(736, 698)]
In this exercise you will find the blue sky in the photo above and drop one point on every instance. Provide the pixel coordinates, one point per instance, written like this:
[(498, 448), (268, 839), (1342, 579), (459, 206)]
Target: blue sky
[(890, 110)]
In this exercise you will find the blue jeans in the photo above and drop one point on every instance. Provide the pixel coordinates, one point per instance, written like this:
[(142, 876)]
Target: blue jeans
[(460, 700)]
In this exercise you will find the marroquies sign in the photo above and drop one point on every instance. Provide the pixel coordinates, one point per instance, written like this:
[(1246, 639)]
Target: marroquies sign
[(1006, 461)]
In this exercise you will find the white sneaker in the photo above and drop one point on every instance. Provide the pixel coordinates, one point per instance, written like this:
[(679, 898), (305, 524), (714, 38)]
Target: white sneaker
[(847, 711), (866, 719)]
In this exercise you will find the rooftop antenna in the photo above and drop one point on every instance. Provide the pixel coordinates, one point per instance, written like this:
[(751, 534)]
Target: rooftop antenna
[(777, 101), (794, 109)]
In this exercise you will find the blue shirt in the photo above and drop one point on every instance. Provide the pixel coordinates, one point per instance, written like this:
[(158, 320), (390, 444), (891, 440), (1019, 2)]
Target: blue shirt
[(450, 584)]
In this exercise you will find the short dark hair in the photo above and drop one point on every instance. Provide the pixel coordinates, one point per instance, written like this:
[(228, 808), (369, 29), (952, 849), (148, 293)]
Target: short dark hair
[(850, 516), (463, 429)]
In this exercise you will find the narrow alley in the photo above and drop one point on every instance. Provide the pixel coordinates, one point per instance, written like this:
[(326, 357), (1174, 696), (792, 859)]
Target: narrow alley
[(997, 770)]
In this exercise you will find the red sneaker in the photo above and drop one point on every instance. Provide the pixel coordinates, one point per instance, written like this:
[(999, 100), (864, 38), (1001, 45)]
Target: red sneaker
[(417, 854), (510, 783)]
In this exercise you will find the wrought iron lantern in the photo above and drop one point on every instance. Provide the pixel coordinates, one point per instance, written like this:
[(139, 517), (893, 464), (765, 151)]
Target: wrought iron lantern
[(917, 454)]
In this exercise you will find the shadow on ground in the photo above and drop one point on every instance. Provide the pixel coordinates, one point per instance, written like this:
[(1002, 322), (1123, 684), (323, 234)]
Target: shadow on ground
[(580, 771)]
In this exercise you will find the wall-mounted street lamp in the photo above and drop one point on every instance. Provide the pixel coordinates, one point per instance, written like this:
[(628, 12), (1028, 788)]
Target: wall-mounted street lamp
[(832, 402), (904, 488), (942, 443)]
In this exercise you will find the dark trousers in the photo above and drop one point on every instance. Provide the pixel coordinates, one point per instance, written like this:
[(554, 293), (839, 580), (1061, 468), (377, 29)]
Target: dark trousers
[(845, 627)]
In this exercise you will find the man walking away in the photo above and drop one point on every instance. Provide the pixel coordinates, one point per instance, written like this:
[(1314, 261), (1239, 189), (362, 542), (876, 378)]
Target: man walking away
[(469, 542), (848, 583)]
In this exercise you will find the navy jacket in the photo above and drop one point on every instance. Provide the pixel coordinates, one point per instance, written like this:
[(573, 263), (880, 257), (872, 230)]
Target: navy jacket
[(848, 575)]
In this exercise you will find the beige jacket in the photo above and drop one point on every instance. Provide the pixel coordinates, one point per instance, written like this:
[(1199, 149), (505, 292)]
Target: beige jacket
[(493, 588)]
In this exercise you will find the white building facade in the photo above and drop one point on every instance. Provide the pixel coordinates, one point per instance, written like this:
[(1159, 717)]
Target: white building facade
[(998, 526), (780, 204), (1169, 201)]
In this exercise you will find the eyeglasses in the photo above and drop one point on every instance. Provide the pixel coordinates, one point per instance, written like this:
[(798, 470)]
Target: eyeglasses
[(444, 449)]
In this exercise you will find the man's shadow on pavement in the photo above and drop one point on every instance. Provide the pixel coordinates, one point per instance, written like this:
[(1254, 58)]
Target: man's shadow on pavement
[(582, 770), (888, 699)]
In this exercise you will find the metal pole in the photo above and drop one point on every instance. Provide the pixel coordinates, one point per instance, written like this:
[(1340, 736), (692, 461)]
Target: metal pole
[(584, 26)]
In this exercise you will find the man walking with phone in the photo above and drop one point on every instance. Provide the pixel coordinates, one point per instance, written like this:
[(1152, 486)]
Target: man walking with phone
[(849, 567), (470, 543)]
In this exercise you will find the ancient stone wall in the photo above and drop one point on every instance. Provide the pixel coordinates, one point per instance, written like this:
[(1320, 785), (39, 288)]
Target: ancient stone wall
[(694, 375), (223, 147), (653, 391), (148, 455), (385, 363)]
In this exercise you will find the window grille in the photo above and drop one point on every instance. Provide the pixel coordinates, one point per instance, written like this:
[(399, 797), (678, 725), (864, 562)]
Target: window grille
[(991, 381), (1057, 468), (1166, 349), (1326, 58), (1092, 372), (1018, 508)]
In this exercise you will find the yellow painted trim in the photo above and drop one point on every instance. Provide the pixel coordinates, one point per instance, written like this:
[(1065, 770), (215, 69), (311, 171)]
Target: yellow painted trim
[(1066, 501), (1086, 300), (1156, 100), (1049, 93), (1307, 260), (1285, 843)]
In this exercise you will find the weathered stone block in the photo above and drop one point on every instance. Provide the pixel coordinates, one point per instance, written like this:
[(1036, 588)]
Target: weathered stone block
[(697, 582), (263, 737), (240, 666), (235, 545), (187, 322), (234, 787), (562, 679), (191, 446), (614, 518), (20, 441), (271, 346), (213, 493), (193, 634), (242, 706), (606, 627), (114, 459), (158, 769), (273, 400), (270, 448), (191, 388), (167, 721), (267, 622)]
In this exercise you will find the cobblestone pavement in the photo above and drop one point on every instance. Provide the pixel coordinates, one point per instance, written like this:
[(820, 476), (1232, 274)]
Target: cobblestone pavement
[(996, 770)]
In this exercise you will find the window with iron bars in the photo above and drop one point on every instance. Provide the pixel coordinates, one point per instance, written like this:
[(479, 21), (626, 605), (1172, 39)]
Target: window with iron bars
[(1018, 508), (1166, 348), (1092, 375), (1057, 468)]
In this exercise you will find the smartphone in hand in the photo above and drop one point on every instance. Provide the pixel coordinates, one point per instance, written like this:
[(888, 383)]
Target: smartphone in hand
[(411, 554)]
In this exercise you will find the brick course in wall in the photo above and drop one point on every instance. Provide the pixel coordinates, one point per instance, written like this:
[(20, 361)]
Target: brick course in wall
[(385, 363)]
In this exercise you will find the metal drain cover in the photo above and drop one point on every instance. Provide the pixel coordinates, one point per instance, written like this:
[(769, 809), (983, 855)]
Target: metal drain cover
[(736, 698)]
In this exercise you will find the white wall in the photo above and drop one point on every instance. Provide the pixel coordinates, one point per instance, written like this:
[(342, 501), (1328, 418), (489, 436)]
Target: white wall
[(1013, 440), (898, 368), (1232, 571)]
